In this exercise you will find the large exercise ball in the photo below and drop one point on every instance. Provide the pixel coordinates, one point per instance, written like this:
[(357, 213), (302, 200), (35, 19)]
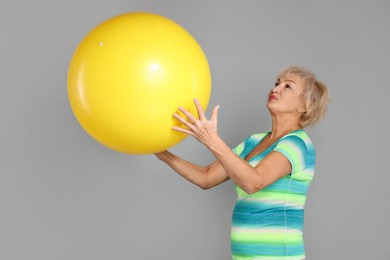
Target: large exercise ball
[(130, 74)]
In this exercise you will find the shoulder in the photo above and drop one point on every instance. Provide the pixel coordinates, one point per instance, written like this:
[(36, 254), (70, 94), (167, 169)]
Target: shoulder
[(298, 139), (298, 148)]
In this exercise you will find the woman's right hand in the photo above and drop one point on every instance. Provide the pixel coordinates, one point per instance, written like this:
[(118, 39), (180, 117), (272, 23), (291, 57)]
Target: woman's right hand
[(161, 155), (204, 177)]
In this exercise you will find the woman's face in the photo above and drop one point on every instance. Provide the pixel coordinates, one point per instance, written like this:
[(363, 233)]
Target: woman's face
[(285, 96)]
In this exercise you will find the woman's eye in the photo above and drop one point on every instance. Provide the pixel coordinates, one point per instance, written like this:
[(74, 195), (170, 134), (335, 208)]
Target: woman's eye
[(288, 86), (276, 83)]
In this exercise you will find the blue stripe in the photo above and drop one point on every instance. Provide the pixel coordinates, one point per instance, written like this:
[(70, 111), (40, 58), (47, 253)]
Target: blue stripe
[(283, 184), (248, 250), (272, 218), (257, 207)]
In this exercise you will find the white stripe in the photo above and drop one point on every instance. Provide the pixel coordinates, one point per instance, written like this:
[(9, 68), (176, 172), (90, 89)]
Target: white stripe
[(266, 230), (284, 203)]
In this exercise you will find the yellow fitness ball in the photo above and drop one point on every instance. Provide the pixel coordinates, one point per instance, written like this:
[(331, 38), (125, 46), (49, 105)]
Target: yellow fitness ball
[(129, 75)]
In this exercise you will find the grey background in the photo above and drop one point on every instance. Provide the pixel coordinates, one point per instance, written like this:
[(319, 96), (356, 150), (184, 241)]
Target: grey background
[(64, 196)]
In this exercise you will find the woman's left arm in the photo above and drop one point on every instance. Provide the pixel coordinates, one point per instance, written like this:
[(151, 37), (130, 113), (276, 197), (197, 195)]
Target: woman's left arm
[(251, 179)]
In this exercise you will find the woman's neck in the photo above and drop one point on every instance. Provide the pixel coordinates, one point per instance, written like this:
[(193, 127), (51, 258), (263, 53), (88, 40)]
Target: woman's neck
[(282, 127)]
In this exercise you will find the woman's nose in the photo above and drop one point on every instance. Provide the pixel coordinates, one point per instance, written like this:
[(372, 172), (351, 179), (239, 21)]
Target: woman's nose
[(275, 89)]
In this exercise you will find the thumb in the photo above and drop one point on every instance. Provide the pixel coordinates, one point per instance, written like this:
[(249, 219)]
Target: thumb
[(214, 114)]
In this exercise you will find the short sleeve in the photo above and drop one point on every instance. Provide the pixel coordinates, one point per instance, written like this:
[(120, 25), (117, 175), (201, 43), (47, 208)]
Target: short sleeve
[(295, 150)]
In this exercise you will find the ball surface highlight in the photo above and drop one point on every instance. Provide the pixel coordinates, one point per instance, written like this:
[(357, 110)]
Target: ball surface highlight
[(130, 74)]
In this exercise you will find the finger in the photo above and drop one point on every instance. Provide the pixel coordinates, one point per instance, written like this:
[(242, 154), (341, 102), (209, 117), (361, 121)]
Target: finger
[(187, 114), (182, 130), (199, 109), (183, 121), (214, 115)]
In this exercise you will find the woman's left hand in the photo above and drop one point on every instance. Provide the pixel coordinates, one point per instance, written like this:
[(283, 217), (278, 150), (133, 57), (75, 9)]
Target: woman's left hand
[(203, 129)]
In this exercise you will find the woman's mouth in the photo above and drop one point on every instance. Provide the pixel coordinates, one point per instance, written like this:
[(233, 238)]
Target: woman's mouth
[(272, 97)]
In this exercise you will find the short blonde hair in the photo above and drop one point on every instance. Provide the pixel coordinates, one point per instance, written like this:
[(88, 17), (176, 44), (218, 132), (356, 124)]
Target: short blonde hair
[(315, 95)]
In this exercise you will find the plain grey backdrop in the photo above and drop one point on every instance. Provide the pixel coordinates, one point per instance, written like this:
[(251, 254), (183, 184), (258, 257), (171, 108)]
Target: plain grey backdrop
[(64, 196)]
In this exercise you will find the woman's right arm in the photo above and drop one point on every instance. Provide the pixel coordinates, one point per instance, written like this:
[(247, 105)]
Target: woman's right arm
[(204, 177)]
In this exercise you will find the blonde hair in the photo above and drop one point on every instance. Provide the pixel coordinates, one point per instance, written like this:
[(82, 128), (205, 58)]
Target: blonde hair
[(315, 95)]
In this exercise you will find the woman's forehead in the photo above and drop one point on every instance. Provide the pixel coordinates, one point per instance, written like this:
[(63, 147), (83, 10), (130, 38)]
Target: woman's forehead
[(290, 76)]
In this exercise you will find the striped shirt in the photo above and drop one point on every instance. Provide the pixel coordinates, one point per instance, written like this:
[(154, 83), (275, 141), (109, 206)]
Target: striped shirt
[(268, 224)]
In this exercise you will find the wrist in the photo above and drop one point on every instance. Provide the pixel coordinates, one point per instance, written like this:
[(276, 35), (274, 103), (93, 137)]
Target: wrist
[(216, 143)]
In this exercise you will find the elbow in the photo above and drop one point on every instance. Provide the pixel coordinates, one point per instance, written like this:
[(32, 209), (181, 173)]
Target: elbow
[(249, 190), (201, 185), (205, 181), (252, 188), (252, 185), (205, 186)]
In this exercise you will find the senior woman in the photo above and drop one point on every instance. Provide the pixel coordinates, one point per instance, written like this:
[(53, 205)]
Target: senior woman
[(271, 170)]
